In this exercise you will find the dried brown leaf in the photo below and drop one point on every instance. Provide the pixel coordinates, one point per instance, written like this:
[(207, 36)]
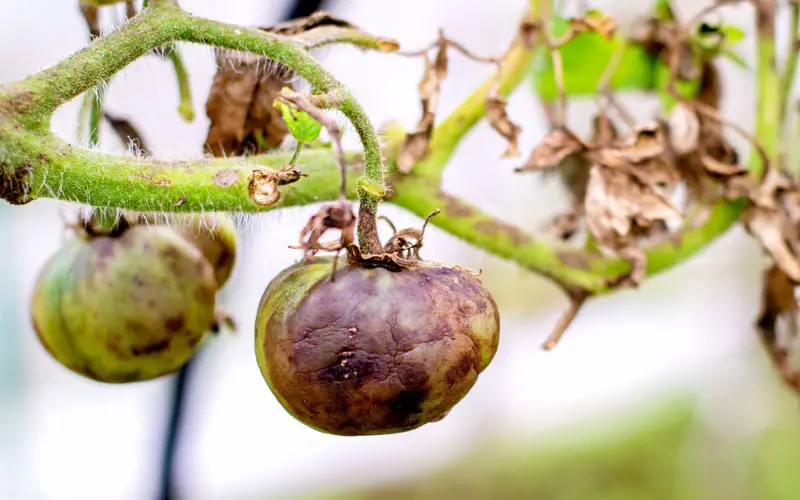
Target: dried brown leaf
[(684, 129), (415, 146), (240, 106), (604, 132), (595, 21), (770, 228), (716, 167), (615, 200), (642, 144), (778, 325), (414, 149), (338, 216), (773, 217), (498, 117), (552, 150)]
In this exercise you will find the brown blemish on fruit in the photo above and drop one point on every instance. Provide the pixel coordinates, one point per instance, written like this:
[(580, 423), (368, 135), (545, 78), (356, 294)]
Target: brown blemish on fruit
[(155, 347), (377, 351), (226, 178), (175, 323), (498, 228)]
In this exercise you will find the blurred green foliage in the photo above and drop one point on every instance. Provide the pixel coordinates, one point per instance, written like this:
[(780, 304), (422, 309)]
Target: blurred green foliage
[(664, 452)]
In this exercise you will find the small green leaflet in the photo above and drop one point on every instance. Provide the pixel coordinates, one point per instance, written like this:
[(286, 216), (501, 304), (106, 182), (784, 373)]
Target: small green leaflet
[(303, 127)]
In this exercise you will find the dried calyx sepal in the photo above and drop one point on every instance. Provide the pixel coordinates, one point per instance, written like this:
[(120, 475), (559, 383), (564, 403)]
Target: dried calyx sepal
[(402, 249)]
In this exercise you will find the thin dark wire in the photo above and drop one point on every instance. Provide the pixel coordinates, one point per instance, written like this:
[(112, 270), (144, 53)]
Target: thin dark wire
[(178, 399), (174, 424)]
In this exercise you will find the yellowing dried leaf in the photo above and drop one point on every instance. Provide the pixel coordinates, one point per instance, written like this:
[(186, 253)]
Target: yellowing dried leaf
[(240, 106), (498, 118), (684, 129), (552, 150)]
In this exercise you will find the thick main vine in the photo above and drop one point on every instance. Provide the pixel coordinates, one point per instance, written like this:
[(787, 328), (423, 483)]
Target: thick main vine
[(36, 164)]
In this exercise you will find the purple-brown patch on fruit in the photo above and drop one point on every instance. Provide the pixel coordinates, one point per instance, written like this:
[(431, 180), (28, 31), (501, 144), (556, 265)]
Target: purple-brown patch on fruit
[(376, 351)]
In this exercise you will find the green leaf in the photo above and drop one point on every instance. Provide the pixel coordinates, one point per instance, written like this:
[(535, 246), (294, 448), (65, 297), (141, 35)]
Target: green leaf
[(303, 127), (733, 35), (585, 59)]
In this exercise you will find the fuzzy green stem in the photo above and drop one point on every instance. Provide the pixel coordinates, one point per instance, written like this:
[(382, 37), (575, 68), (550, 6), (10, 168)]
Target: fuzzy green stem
[(296, 156), (164, 22), (96, 115), (185, 106), (59, 170)]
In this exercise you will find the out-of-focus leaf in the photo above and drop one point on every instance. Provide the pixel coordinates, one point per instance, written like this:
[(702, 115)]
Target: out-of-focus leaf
[(585, 59)]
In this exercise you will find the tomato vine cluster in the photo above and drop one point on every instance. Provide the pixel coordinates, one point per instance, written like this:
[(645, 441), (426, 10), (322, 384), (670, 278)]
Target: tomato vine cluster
[(374, 339)]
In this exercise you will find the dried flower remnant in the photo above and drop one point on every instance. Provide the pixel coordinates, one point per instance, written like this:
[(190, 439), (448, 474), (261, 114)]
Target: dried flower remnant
[(338, 216), (407, 243), (240, 104)]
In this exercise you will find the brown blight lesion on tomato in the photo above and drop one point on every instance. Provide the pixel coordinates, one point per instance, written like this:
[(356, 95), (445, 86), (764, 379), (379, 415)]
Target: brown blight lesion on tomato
[(131, 298), (374, 351)]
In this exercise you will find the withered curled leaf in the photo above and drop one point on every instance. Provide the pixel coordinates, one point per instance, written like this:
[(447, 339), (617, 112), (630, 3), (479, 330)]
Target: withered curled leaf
[(716, 167), (240, 105), (778, 325), (595, 21), (773, 217), (338, 215), (415, 146), (552, 150), (498, 118), (615, 200)]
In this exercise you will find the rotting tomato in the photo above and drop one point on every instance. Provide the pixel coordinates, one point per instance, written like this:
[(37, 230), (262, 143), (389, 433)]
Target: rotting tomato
[(128, 307), (214, 234), (373, 351)]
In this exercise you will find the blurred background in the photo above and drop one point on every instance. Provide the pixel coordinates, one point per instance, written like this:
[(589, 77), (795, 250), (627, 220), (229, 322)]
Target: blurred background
[(658, 393)]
